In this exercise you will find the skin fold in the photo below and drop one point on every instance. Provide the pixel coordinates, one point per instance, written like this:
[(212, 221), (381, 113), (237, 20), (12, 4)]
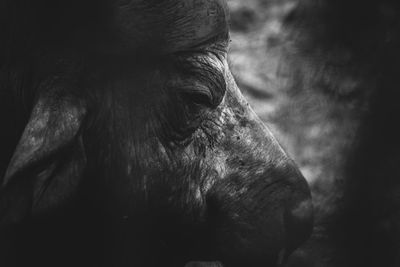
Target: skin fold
[(141, 151)]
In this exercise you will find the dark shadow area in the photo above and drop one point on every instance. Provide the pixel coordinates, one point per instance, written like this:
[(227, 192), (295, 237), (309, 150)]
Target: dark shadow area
[(332, 70), (361, 38)]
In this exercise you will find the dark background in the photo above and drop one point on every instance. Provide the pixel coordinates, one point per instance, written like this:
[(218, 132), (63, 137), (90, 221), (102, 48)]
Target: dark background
[(325, 76)]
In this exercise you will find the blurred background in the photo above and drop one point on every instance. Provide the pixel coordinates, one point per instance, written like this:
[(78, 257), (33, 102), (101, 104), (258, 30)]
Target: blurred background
[(325, 77)]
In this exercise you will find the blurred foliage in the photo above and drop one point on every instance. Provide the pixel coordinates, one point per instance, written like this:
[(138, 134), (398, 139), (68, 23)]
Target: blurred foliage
[(310, 69)]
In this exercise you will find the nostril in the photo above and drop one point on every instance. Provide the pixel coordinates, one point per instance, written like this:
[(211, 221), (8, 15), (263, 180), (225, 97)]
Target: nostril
[(303, 211), (298, 219)]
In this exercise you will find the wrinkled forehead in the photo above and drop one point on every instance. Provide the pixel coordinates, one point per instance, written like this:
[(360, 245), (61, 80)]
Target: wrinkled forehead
[(170, 25)]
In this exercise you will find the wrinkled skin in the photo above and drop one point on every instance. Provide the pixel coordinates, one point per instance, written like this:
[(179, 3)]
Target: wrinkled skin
[(147, 154)]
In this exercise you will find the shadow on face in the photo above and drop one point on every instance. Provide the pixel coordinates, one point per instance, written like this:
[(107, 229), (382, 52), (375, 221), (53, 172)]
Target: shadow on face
[(143, 150)]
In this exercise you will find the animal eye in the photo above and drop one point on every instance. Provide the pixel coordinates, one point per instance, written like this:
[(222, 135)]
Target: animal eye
[(199, 97), (199, 78)]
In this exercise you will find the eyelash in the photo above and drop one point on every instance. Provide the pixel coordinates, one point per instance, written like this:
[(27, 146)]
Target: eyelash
[(200, 80), (195, 86)]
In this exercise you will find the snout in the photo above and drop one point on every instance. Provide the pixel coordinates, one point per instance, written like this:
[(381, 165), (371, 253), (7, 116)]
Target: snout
[(298, 216), (263, 214)]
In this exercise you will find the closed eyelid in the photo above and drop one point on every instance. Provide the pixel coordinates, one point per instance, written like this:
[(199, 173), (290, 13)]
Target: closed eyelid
[(199, 64)]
